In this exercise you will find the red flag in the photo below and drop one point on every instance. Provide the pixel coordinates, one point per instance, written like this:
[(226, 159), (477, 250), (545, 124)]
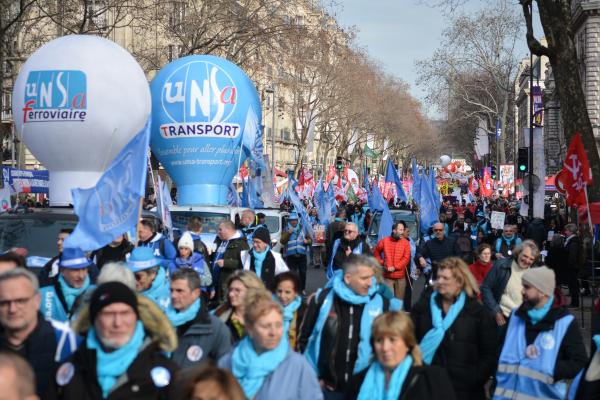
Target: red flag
[(577, 172), (330, 174), (487, 186), (301, 180)]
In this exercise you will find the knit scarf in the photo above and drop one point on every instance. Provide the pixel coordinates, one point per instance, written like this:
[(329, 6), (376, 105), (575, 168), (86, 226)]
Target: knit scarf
[(179, 318), (373, 387), (432, 339), (373, 307), (109, 366), (72, 293), (159, 289), (538, 314), (258, 260), (288, 313), (251, 369)]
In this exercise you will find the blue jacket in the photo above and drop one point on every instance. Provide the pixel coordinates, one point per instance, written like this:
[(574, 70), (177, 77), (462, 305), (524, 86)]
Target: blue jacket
[(163, 249), (494, 284), (198, 264), (53, 304), (293, 379), (295, 244)]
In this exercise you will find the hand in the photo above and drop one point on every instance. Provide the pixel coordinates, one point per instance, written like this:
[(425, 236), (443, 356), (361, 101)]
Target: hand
[(212, 295), (390, 269), (422, 262), (291, 230), (499, 256), (220, 263), (500, 320), (348, 251)]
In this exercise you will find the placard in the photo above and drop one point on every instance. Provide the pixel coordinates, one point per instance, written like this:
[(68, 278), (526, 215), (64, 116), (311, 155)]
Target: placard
[(498, 219)]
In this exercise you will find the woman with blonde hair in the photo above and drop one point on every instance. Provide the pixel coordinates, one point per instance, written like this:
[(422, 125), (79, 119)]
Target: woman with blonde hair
[(263, 362), (398, 371), (240, 285), (455, 331)]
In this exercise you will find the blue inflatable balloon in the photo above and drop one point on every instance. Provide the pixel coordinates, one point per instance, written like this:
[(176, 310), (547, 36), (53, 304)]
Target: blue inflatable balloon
[(205, 119)]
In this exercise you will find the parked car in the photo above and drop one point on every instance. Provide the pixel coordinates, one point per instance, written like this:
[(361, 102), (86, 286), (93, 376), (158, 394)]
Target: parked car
[(411, 219)]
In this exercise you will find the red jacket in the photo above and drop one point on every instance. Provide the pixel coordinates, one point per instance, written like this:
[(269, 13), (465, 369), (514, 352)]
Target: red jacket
[(480, 270), (396, 254)]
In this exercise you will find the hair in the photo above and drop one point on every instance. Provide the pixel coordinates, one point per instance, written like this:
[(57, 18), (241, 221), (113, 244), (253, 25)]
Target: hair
[(228, 224), (340, 213), (571, 228), (351, 223), (13, 257), (482, 247), (354, 261), (249, 211), (21, 273), (25, 381), (148, 223), (462, 274), (287, 276), (194, 224), (188, 274), (116, 272), (249, 279), (204, 373), (531, 245), (66, 230), (258, 304), (398, 323), (395, 226)]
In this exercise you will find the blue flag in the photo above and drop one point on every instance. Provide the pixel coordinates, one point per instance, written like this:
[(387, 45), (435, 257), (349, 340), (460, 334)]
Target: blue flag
[(378, 205), (331, 199), (321, 202), (300, 209), (111, 208), (427, 203), (254, 200), (434, 189), (391, 175), (233, 199)]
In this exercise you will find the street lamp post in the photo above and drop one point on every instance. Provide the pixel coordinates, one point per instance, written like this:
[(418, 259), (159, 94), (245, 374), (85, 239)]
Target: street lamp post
[(530, 189), (271, 91)]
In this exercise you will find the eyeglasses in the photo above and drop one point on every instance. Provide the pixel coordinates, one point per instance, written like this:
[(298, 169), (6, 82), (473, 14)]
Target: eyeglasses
[(347, 231), (438, 230), (18, 302)]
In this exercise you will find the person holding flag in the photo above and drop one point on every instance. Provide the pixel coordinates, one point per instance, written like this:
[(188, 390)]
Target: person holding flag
[(295, 241)]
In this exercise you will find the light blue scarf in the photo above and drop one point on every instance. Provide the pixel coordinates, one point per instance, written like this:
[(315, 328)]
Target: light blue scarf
[(373, 307), (179, 318), (258, 260), (72, 293), (596, 339), (288, 313), (373, 387), (538, 314), (432, 339), (251, 369), (110, 366), (157, 290)]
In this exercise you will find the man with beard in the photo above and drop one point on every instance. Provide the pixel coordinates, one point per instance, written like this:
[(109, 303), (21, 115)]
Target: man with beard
[(393, 253), (350, 243), (543, 347)]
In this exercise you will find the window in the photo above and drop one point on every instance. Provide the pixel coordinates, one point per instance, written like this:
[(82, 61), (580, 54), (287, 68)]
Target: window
[(7, 105)]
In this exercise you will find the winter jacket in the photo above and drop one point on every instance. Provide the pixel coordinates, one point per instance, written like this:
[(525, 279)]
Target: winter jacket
[(204, 338), (54, 305), (395, 253), (50, 343), (273, 264), (480, 270), (536, 231), (293, 379), (335, 230), (506, 247), (425, 382), (198, 264), (575, 255), (163, 249), (588, 385), (494, 284), (339, 250), (231, 261), (224, 312), (109, 254), (468, 350), (150, 375), (436, 250)]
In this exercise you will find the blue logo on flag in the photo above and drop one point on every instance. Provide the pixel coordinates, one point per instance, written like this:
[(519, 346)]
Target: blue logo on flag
[(57, 95)]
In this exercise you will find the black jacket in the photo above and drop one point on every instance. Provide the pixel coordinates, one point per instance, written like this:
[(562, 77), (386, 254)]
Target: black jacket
[(112, 254), (575, 257), (340, 255), (136, 383), (431, 383), (469, 349), (494, 284), (589, 389), (572, 355), (437, 250)]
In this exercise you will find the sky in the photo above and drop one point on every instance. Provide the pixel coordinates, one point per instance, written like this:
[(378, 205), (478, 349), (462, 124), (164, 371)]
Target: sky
[(397, 33)]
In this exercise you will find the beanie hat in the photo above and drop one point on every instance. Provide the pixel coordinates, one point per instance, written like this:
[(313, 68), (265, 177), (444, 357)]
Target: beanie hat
[(186, 241), (263, 235), (541, 278), (109, 293)]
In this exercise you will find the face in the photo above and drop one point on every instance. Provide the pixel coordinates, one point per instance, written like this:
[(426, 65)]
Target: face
[(115, 325), (406, 233), (19, 304), (61, 240), (390, 350), (531, 295), (361, 280), (438, 231), (181, 295), (398, 231), (185, 252), (247, 219), (209, 390), (74, 277), (350, 232), (224, 232), (485, 256), (237, 293), (286, 292), (293, 222), (144, 279), (259, 245), (144, 233), (266, 332), (447, 284), (526, 258), (509, 231)]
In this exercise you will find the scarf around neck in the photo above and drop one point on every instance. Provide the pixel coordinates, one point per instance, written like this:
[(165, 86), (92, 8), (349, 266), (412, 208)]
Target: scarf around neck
[(72, 293), (432, 339), (110, 366), (288, 313), (258, 260), (373, 387), (179, 318), (538, 314), (251, 369)]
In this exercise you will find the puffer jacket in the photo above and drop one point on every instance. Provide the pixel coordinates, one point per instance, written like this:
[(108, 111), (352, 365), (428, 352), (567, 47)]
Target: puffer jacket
[(393, 253), (150, 376)]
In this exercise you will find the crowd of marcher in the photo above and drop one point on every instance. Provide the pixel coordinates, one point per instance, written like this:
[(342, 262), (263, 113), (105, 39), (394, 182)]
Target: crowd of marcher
[(184, 319)]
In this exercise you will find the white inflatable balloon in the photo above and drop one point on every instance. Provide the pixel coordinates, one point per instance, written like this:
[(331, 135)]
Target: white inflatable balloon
[(445, 160), (76, 102)]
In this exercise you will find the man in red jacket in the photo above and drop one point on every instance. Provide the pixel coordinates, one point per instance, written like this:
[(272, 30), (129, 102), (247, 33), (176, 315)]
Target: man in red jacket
[(393, 253)]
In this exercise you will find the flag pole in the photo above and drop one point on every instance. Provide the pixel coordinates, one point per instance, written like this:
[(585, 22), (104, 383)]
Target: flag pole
[(139, 224)]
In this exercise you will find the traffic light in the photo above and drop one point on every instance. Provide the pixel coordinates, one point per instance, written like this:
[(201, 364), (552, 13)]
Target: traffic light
[(339, 163), (494, 173), (523, 160)]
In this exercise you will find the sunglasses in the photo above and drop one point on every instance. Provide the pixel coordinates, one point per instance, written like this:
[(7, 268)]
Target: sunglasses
[(438, 230), (347, 231)]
